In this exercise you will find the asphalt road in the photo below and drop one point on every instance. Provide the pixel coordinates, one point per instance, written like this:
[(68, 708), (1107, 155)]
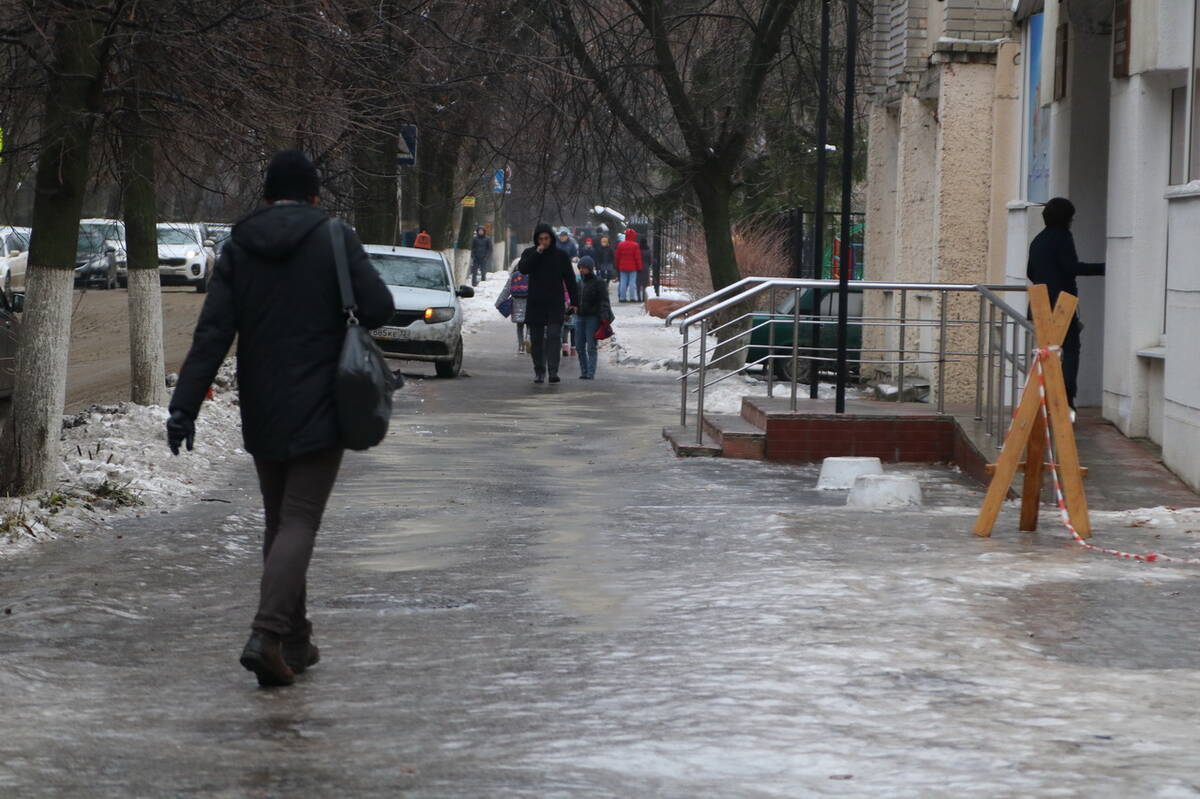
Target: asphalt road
[(521, 593), (98, 369)]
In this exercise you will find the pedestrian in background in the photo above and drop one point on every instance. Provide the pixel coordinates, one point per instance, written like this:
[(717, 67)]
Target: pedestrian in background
[(628, 258), (275, 288), (588, 250), (604, 260), (1054, 263), (594, 306), (423, 240), (567, 244), (481, 256), (549, 271), (644, 272), (514, 297)]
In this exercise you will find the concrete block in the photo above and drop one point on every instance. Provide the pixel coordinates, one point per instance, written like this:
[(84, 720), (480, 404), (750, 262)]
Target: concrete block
[(841, 473), (885, 491)]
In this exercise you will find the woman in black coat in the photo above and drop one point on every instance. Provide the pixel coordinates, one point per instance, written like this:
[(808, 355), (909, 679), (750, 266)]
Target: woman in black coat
[(550, 275)]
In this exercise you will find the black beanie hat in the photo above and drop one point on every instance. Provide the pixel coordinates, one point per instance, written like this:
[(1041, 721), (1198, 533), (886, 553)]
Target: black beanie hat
[(291, 176)]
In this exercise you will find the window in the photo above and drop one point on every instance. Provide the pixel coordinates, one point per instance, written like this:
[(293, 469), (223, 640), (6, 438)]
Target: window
[(1122, 20), (1037, 118), (1061, 39), (1178, 133), (1193, 170)]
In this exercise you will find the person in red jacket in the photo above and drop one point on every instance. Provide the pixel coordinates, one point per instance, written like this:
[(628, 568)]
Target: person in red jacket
[(628, 259)]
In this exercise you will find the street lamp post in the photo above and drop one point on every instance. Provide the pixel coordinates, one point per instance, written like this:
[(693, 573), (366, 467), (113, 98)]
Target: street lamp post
[(847, 261)]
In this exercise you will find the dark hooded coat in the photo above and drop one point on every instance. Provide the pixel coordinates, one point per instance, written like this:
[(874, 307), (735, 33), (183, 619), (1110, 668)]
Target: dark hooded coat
[(1052, 261), (550, 273), (275, 288)]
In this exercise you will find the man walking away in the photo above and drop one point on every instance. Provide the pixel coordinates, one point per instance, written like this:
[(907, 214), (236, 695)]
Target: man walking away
[(593, 306), (1053, 263), (550, 273), (275, 289), (481, 256), (629, 262), (604, 260)]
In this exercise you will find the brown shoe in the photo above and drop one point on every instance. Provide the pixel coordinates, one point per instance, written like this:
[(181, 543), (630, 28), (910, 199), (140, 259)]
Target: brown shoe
[(263, 655), (299, 655)]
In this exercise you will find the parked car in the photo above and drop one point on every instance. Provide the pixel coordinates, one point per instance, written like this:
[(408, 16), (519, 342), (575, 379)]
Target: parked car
[(95, 261), (10, 306), (113, 232), (185, 257), (427, 323), (14, 257), (218, 233), (826, 322)]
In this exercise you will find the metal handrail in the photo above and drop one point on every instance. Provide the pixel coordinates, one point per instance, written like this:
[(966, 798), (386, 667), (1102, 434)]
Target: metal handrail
[(1002, 356)]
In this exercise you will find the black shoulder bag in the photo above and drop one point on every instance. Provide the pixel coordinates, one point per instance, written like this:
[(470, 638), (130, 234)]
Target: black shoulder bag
[(364, 384)]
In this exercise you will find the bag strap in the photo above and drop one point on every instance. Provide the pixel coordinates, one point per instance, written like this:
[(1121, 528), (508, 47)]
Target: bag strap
[(337, 236)]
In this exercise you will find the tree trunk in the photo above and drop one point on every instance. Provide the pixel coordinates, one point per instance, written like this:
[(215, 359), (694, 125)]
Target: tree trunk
[(466, 232), (714, 192), (375, 213), (146, 361), (71, 102), (438, 164)]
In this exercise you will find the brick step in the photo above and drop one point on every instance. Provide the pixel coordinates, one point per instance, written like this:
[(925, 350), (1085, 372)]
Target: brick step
[(683, 442), (737, 437)]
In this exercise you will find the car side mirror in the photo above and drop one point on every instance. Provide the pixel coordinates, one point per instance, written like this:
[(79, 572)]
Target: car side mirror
[(466, 292), (209, 243), (13, 253), (17, 301)]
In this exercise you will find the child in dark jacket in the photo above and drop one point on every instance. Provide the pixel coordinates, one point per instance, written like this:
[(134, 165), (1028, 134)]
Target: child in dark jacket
[(594, 306)]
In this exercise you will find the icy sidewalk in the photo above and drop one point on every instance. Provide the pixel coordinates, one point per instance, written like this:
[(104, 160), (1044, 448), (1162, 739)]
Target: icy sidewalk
[(116, 465)]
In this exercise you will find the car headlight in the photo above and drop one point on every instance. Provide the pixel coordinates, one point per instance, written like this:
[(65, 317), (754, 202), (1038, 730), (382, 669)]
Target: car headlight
[(192, 254), (435, 315)]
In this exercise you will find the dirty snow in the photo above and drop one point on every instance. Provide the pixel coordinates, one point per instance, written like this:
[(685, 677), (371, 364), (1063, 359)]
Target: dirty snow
[(115, 464)]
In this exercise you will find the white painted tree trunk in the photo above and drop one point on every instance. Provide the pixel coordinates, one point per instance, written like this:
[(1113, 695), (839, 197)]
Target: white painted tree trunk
[(147, 369), (41, 380)]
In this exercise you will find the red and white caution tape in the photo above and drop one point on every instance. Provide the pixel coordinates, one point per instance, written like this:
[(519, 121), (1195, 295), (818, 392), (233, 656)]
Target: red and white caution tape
[(1149, 557)]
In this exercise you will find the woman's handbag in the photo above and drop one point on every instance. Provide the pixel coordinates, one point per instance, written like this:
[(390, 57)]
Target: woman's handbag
[(605, 330), (364, 384), (505, 307)]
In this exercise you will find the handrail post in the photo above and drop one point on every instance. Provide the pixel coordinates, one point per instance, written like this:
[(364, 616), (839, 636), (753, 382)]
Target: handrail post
[(795, 346), (991, 370), (900, 349), (1003, 368), (979, 361), (683, 378), (770, 341), (942, 355), (702, 375)]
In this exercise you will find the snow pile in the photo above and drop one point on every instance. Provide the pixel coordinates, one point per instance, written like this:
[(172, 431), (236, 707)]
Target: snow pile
[(480, 310), (115, 462)]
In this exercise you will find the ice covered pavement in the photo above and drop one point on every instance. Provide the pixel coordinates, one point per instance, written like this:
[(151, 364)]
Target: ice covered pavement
[(523, 594)]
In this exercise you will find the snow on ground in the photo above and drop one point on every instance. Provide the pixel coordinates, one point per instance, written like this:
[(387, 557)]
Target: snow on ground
[(115, 463)]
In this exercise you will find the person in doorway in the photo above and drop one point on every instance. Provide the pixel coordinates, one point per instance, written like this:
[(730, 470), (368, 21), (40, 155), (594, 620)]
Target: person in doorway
[(1054, 263), (481, 255), (604, 260), (549, 271), (567, 244), (423, 240), (594, 306), (275, 288), (516, 290), (628, 259)]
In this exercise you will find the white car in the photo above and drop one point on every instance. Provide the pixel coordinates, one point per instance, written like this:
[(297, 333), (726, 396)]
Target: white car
[(113, 232), (14, 257), (185, 257), (427, 324)]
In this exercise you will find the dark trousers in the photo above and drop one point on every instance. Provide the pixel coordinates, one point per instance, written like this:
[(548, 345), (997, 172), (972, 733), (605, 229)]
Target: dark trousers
[(544, 346), (294, 495), (1070, 359)]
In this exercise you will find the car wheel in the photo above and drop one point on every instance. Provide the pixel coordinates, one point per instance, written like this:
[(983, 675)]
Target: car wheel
[(123, 282), (453, 367), (202, 285), (783, 369)]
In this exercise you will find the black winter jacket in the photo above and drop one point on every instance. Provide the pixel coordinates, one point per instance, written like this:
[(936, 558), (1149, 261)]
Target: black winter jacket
[(481, 250), (1052, 261), (275, 288), (550, 273), (593, 298)]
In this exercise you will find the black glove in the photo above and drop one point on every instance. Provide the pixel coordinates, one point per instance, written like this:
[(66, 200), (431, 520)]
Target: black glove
[(180, 427)]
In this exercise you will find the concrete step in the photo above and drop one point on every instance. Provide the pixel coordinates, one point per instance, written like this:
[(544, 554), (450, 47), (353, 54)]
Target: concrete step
[(683, 442), (737, 437)]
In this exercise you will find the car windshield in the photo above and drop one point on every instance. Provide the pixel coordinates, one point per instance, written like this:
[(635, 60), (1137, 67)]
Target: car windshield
[(89, 242), (176, 235), (108, 230), (404, 270)]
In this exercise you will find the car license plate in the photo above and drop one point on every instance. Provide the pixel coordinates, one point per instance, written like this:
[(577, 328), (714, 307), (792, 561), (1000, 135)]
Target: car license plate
[(391, 333)]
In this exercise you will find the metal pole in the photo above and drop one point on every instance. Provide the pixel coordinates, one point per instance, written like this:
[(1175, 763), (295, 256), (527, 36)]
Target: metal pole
[(795, 345), (683, 379), (991, 369), (700, 387), (979, 361), (900, 352), (770, 342), (822, 175), (847, 251), (942, 356), (1003, 363)]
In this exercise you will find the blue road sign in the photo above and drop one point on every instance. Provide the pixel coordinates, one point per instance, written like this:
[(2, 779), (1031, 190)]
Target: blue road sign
[(498, 181), (406, 155)]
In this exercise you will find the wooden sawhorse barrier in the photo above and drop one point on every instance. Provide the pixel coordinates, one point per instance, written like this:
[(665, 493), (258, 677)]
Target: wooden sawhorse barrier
[(1028, 431)]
